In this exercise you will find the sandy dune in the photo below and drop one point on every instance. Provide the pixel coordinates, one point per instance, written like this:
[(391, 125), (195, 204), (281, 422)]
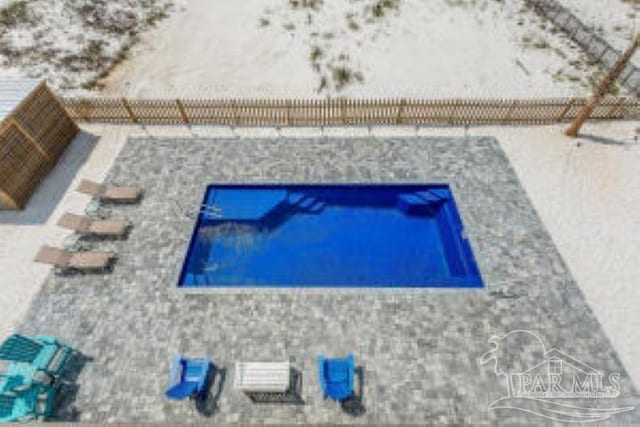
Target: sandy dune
[(615, 20), (492, 49)]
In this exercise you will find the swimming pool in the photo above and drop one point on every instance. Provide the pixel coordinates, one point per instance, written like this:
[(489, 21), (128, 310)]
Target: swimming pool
[(329, 236)]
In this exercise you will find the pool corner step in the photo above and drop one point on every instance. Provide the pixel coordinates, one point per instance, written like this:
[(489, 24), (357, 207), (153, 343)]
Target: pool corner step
[(422, 203)]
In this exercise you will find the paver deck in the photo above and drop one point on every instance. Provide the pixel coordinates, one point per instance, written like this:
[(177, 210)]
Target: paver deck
[(419, 350)]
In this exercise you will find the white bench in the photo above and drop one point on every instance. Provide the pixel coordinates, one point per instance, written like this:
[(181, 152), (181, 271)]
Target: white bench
[(263, 377)]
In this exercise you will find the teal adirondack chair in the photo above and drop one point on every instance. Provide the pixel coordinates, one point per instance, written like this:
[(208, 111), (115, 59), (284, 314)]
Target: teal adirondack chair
[(43, 352), (32, 403), (12, 382), (19, 376)]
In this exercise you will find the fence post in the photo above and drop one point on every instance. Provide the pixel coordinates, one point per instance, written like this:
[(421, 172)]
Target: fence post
[(507, 116), (288, 112), (84, 108), (127, 107), (183, 113), (451, 111), (399, 117), (234, 108), (343, 112)]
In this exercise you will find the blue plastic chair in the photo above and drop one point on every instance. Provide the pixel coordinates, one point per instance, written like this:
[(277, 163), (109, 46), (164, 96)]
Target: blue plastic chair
[(337, 377), (188, 377)]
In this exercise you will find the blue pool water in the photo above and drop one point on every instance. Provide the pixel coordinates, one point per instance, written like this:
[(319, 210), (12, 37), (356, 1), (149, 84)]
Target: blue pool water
[(329, 236)]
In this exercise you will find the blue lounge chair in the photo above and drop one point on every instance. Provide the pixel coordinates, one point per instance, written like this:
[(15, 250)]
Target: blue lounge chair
[(43, 352), (188, 377), (336, 377), (35, 402)]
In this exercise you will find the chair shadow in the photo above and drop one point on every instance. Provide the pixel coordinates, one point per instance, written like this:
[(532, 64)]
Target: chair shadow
[(72, 272), (292, 397), (55, 184), (65, 410), (207, 406), (353, 405)]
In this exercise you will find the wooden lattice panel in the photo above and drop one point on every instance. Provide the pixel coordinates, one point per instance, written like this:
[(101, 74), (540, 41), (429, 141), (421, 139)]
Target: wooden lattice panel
[(44, 119), (32, 138), (22, 167)]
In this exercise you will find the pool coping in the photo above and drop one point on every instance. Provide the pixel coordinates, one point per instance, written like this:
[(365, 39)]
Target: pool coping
[(176, 270)]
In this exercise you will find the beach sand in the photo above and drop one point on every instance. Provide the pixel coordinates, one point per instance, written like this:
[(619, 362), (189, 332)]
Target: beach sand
[(492, 49)]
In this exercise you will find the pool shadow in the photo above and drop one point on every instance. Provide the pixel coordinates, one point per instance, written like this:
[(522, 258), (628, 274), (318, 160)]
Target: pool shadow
[(280, 215), (207, 405), (64, 406), (276, 218), (354, 404)]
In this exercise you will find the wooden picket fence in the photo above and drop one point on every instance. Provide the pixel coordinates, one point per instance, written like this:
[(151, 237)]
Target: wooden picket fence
[(341, 112)]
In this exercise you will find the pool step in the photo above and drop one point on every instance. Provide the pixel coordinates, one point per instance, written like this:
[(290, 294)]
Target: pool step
[(427, 196), (306, 204), (295, 198), (442, 193), (419, 203)]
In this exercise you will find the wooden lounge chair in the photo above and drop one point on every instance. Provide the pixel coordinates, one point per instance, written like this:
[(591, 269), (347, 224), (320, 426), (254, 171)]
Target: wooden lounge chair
[(85, 261), (118, 194), (83, 224)]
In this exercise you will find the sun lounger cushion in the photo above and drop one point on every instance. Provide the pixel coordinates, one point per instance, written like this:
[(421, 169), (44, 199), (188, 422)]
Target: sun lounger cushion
[(55, 256), (107, 192), (108, 227), (87, 225), (79, 260), (90, 260), (122, 193)]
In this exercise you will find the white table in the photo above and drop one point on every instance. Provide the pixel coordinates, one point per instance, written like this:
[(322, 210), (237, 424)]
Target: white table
[(263, 377)]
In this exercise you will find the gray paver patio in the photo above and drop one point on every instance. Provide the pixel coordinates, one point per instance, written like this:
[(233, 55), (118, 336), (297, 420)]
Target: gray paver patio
[(420, 350)]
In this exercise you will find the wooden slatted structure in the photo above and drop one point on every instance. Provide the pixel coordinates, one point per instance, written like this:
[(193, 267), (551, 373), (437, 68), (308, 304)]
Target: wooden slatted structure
[(340, 112), (35, 129)]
